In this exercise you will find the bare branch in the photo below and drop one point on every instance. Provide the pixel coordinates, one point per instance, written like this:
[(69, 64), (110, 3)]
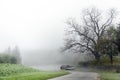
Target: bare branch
[(87, 36), (75, 29), (108, 22)]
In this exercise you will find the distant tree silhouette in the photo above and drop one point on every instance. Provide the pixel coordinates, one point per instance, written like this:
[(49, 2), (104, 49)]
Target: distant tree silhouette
[(16, 53)]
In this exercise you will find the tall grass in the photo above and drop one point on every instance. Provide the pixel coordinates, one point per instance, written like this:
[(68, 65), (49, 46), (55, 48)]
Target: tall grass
[(11, 69), (42, 75), (109, 76), (20, 72)]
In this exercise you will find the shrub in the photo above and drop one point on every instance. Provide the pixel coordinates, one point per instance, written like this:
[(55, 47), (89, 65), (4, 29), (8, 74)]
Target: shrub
[(6, 58)]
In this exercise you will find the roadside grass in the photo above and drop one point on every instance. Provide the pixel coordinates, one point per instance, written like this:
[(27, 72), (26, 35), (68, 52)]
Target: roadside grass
[(20, 72), (104, 68), (42, 75), (109, 76), (12, 69), (106, 74)]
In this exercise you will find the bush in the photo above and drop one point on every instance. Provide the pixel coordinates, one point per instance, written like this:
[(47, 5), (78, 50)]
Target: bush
[(6, 58), (13, 60)]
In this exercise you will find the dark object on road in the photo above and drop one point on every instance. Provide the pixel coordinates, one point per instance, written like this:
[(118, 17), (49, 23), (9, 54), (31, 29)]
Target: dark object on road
[(67, 67)]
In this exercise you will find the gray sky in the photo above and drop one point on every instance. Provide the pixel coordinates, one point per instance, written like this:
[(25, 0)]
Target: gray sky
[(39, 24)]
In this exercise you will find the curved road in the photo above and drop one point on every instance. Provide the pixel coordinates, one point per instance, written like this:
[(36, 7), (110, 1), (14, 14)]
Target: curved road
[(75, 75)]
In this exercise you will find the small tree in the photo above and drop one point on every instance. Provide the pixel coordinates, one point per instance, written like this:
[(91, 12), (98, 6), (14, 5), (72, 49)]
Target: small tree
[(109, 47), (117, 41)]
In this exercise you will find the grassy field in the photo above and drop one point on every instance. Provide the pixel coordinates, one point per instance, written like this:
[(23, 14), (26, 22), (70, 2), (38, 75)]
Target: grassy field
[(105, 74), (109, 76), (104, 68), (20, 72)]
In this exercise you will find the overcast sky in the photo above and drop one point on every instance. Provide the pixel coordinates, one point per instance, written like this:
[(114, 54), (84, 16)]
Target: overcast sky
[(39, 24)]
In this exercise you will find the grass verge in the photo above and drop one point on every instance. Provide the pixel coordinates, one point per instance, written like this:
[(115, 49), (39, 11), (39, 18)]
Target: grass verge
[(42, 75), (20, 72), (109, 76)]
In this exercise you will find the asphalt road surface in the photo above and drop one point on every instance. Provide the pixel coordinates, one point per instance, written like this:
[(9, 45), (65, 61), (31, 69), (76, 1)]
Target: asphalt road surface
[(76, 75)]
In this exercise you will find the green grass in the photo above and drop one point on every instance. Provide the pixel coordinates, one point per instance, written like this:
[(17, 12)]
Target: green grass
[(20, 72), (42, 75), (109, 76), (11, 69)]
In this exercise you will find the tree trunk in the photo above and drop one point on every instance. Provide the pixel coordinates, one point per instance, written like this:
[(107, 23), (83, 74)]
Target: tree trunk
[(111, 58), (97, 57)]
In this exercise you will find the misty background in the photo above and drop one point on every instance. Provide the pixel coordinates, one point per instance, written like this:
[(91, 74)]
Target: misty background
[(37, 27)]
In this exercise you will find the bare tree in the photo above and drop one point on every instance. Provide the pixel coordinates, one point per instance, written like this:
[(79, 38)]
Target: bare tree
[(85, 38)]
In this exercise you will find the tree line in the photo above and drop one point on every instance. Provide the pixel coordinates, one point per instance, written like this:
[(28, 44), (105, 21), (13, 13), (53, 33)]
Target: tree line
[(11, 56)]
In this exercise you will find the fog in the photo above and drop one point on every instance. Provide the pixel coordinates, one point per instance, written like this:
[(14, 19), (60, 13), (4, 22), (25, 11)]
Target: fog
[(48, 57), (37, 27)]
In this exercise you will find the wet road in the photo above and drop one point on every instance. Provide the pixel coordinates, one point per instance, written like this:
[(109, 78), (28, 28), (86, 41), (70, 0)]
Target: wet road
[(75, 75)]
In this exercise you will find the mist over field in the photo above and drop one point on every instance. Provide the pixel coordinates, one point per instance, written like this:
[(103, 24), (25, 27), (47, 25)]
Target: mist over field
[(49, 57), (59, 39), (38, 28)]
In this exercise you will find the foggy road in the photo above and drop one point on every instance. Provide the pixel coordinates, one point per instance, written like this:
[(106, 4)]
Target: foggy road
[(75, 75)]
